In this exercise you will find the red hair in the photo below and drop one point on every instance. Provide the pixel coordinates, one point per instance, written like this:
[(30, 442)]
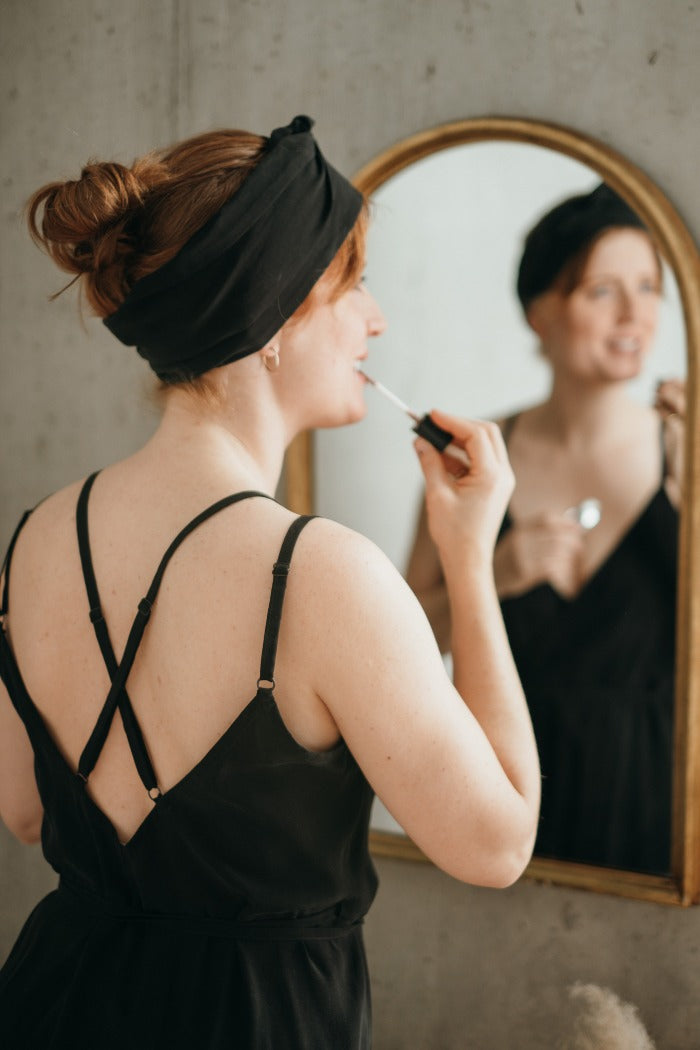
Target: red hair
[(115, 224)]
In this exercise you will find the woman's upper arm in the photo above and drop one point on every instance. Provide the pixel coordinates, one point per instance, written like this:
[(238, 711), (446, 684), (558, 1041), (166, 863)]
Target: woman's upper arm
[(424, 753)]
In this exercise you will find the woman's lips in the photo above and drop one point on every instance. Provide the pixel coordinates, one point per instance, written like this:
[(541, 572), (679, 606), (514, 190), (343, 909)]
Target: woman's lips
[(626, 344)]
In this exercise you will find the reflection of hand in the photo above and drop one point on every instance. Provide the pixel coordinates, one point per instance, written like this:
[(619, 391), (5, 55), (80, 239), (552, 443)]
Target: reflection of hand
[(465, 509), (671, 398), (671, 404), (548, 549)]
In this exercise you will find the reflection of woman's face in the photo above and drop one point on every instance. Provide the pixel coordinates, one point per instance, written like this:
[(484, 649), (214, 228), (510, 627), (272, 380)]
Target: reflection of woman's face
[(603, 329)]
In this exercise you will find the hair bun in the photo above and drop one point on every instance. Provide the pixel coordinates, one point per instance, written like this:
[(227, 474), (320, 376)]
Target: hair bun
[(115, 224), (88, 225)]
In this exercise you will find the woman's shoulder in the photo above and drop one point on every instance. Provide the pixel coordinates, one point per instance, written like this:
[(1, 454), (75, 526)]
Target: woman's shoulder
[(335, 550), (46, 541), (345, 577), (642, 426), (507, 421), (49, 512)]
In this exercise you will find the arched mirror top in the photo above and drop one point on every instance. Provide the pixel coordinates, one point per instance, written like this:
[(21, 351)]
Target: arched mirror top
[(628, 180)]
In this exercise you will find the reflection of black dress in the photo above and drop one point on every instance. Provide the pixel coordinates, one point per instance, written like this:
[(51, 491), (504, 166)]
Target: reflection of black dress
[(231, 918), (598, 674)]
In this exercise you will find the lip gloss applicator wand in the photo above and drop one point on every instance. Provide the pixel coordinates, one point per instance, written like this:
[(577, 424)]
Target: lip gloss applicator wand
[(424, 426)]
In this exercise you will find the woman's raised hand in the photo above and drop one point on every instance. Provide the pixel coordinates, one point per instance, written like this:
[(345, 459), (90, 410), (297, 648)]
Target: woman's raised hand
[(546, 549), (670, 403), (671, 398), (466, 506)]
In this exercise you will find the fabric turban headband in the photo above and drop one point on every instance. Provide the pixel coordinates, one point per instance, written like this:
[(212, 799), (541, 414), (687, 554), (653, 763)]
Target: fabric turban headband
[(563, 232), (244, 273)]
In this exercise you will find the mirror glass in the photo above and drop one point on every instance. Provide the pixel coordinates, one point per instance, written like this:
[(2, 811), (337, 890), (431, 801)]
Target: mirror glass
[(444, 246)]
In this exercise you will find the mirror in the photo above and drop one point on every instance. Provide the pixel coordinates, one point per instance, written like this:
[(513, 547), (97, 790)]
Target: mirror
[(446, 345)]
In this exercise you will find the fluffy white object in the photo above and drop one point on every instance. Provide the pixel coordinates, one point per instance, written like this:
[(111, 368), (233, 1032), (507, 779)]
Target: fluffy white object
[(604, 1022)]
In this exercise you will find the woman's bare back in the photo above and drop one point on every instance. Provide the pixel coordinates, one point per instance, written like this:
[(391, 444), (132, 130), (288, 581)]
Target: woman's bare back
[(198, 663)]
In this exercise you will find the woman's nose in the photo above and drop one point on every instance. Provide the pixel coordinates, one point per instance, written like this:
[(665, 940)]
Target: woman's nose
[(627, 305), (376, 322)]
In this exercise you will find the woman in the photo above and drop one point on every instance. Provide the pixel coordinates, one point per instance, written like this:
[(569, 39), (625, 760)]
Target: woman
[(212, 849), (590, 612)]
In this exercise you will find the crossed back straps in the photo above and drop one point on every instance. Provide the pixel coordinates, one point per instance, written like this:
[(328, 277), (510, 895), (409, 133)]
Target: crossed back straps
[(117, 696)]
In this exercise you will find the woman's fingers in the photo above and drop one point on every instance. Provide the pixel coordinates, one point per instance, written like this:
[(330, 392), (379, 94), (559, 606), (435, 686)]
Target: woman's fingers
[(430, 461), (671, 397), (546, 549), (472, 456), (483, 448), (472, 431)]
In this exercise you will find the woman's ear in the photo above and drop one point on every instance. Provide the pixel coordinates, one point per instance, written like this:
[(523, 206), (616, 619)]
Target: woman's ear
[(539, 314), (270, 355)]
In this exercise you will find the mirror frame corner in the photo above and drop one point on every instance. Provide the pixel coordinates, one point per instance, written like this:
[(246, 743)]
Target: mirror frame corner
[(682, 886)]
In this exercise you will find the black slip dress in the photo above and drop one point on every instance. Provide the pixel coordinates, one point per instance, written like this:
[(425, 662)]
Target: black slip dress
[(598, 675), (232, 918)]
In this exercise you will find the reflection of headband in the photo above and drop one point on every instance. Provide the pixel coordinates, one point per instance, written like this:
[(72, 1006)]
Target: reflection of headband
[(563, 232), (242, 275)]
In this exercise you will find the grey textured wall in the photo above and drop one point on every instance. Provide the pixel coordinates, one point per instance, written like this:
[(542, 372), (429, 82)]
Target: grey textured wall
[(453, 967)]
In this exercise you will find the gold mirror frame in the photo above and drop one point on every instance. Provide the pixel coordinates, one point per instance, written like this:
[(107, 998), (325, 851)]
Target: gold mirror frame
[(682, 886)]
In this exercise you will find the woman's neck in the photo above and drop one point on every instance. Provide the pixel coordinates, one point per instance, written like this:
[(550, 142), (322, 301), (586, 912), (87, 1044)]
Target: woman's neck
[(240, 445), (575, 414)]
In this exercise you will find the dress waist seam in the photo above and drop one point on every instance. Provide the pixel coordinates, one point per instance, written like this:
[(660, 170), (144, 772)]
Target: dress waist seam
[(94, 907)]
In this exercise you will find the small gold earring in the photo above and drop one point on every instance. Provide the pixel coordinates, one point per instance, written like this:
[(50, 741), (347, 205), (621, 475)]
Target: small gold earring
[(271, 359)]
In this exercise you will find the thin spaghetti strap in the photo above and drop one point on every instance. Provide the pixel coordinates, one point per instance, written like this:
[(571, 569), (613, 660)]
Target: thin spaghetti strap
[(664, 455), (84, 545), (133, 731), (5, 568), (9, 671), (280, 571), (95, 743)]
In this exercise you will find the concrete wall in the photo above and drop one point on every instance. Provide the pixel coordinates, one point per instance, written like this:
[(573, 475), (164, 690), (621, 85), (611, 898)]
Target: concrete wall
[(453, 967)]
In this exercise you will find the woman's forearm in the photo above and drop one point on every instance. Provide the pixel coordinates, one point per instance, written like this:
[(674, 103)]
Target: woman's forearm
[(486, 677)]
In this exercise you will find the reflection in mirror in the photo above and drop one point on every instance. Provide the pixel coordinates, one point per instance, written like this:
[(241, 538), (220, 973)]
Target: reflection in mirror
[(444, 250)]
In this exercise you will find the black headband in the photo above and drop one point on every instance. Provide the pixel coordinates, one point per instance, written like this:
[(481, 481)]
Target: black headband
[(563, 232), (244, 273)]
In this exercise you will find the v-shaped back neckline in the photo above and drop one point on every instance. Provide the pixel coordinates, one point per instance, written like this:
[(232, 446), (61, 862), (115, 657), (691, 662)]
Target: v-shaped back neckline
[(169, 793), (119, 671)]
